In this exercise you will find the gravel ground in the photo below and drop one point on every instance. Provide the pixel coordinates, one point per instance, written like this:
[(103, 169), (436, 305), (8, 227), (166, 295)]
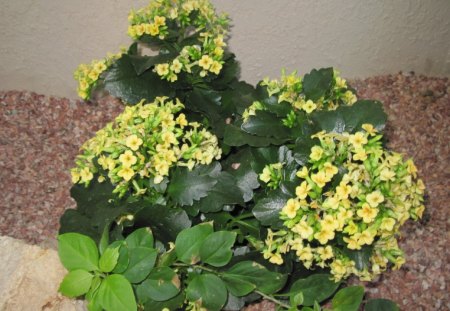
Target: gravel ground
[(40, 137)]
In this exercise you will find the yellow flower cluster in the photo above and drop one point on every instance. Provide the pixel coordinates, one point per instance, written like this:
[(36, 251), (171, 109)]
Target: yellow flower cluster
[(271, 175), (158, 19), (88, 74), (143, 143), (289, 89), (353, 196)]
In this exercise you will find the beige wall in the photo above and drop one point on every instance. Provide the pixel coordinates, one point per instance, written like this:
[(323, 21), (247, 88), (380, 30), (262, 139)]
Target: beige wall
[(43, 41)]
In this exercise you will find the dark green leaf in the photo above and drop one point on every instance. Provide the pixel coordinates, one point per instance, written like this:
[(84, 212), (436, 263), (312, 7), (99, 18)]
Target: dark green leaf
[(244, 273), (189, 241), (267, 210), (115, 294), (143, 63), (360, 257), (270, 103), (316, 287), (162, 284), (317, 83), (142, 237), (350, 118), (76, 283), (172, 304), (348, 298), (266, 124), (187, 186), (208, 290), (381, 305), (216, 248), (166, 221), (302, 149), (77, 251), (142, 261), (296, 299), (235, 136), (121, 80)]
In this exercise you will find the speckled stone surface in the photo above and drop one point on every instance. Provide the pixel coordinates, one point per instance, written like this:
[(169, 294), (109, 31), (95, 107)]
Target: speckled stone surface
[(40, 137)]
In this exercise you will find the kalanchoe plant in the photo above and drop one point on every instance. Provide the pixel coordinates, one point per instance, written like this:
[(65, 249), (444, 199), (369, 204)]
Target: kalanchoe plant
[(207, 193)]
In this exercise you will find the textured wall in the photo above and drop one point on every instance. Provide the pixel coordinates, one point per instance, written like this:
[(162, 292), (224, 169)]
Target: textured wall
[(42, 42)]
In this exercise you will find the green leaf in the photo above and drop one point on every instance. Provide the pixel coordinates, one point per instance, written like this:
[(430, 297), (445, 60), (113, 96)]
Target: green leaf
[(360, 257), (381, 305), (116, 294), (296, 299), (207, 289), (350, 118), (162, 284), (225, 191), (142, 261), (109, 259), (76, 283), (235, 136), (267, 210), (123, 260), (166, 221), (189, 241), (348, 298), (142, 237), (316, 287), (241, 275), (317, 83), (266, 124), (122, 81), (270, 103), (144, 63), (77, 251), (216, 248), (172, 304), (188, 186)]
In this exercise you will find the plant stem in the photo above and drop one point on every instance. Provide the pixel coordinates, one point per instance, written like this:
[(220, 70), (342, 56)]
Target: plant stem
[(267, 297)]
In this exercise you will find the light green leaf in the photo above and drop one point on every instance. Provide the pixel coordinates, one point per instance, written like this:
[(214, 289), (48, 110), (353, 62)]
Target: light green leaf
[(116, 294), (142, 261), (381, 305), (109, 259), (348, 298), (142, 237), (316, 287), (216, 249), (162, 284), (189, 241), (76, 283), (77, 251), (254, 273), (209, 290)]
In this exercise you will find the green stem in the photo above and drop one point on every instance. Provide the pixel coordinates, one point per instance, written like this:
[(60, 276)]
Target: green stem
[(270, 298), (244, 216)]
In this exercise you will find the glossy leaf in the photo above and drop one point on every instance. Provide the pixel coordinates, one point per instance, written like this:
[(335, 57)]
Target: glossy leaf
[(76, 283), (142, 261), (317, 83), (267, 209), (207, 289), (116, 294), (348, 298), (144, 63), (316, 287), (77, 251), (216, 248), (142, 237), (189, 242), (162, 284), (266, 124)]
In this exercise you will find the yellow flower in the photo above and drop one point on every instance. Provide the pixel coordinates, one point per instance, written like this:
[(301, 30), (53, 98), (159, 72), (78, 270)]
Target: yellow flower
[(291, 208), (323, 236), (100, 66), (127, 158), (366, 237), (316, 153), (387, 174), (343, 190), (352, 241), (341, 83), (349, 98), (329, 169), (169, 138), (139, 29), (158, 179), (126, 173), (205, 62), (265, 176), (86, 175), (302, 190), (325, 253), (83, 85), (75, 175), (320, 179), (351, 228), (276, 259), (219, 41), (331, 202), (419, 211), (328, 223), (367, 213), (162, 69), (360, 154), (218, 51), (369, 129), (133, 142), (305, 254), (303, 173), (181, 120), (374, 198), (303, 229), (93, 75), (387, 224), (216, 67), (411, 168), (309, 106), (160, 20), (176, 66), (357, 140)]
